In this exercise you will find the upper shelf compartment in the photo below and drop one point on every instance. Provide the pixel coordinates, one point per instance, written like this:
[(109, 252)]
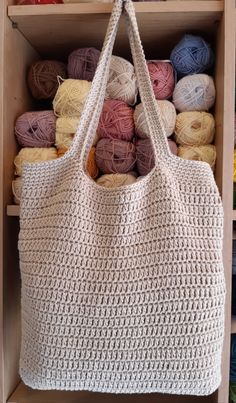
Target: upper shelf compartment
[(54, 30)]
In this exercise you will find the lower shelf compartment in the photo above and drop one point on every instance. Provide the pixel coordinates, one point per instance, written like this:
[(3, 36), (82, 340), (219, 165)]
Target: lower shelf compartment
[(23, 394)]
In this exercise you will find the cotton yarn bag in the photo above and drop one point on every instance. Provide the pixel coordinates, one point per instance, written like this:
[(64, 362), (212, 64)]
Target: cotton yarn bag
[(122, 289)]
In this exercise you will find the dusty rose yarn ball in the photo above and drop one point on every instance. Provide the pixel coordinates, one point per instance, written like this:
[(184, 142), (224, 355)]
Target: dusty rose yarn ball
[(116, 121), (43, 78), (115, 156), (36, 129), (162, 78), (82, 63), (145, 155)]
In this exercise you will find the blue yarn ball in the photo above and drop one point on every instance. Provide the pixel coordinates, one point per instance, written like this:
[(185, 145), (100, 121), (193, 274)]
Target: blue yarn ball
[(192, 55)]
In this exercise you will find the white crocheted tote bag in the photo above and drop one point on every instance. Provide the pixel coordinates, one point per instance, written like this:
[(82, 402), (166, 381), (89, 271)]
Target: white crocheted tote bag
[(122, 289)]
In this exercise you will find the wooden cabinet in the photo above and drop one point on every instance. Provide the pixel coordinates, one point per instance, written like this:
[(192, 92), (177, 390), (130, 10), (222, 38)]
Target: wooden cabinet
[(31, 32)]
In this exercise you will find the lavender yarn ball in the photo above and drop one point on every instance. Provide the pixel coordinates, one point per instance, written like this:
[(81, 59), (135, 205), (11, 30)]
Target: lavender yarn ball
[(145, 155), (192, 55), (115, 156), (36, 129), (82, 63)]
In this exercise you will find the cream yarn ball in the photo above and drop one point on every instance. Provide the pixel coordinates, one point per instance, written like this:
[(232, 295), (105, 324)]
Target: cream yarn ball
[(66, 128), (194, 93), (116, 180), (33, 155), (16, 189), (194, 128), (70, 97), (168, 115), (122, 83), (206, 153)]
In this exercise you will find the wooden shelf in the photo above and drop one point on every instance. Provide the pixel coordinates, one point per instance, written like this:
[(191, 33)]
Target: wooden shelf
[(13, 210), (234, 215), (23, 394), (233, 324), (42, 25)]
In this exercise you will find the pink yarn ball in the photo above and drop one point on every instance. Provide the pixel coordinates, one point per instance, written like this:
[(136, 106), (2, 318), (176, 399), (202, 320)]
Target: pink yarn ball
[(162, 78), (36, 129), (82, 63), (116, 121), (115, 156), (145, 155)]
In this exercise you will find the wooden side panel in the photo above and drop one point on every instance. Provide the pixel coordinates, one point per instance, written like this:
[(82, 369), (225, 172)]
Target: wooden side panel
[(224, 169), (17, 55)]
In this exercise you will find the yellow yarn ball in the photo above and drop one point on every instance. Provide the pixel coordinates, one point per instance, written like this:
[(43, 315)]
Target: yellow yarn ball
[(168, 115), (33, 155), (16, 189), (206, 153), (116, 180), (66, 128), (70, 97), (194, 128)]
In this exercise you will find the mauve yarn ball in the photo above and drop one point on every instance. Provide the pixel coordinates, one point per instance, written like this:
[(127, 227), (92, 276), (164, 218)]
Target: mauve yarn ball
[(43, 78), (145, 155), (192, 55), (116, 120), (36, 129), (82, 63), (194, 93), (162, 78), (115, 156)]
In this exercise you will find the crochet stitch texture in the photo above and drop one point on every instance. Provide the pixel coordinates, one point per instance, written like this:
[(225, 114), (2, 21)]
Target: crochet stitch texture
[(122, 289)]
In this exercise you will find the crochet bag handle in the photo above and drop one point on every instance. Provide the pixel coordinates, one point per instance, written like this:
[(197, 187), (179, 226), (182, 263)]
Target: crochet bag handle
[(92, 110)]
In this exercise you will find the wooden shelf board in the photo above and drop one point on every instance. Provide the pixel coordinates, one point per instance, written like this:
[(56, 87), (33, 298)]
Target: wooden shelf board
[(42, 25), (13, 210), (233, 324), (23, 394)]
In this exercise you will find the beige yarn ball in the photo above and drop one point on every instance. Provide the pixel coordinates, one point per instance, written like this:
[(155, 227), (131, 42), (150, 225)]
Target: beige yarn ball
[(168, 114), (206, 153), (70, 97), (66, 128), (116, 180), (194, 93), (194, 128), (33, 155), (122, 83), (16, 189)]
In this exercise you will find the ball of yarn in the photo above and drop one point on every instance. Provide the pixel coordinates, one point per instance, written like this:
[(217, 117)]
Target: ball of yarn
[(168, 114), (116, 180), (33, 155), (192, 55), (122, 83), (70, 98), (91, 165), (82, 63), (145, 155), (16, 190), (116, 120), (206, 153), (194, 128), (43, 78), (36, 129), (115, 156), (194, 93), (162, 78)]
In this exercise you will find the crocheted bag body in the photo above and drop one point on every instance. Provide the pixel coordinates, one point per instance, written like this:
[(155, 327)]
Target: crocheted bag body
[(122, 289)]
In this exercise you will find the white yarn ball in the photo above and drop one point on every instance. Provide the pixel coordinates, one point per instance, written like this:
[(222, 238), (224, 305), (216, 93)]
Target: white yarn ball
[(194, 93), (122, 83), (33, 155), (16, 189), (116, 180), (168, 115)]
